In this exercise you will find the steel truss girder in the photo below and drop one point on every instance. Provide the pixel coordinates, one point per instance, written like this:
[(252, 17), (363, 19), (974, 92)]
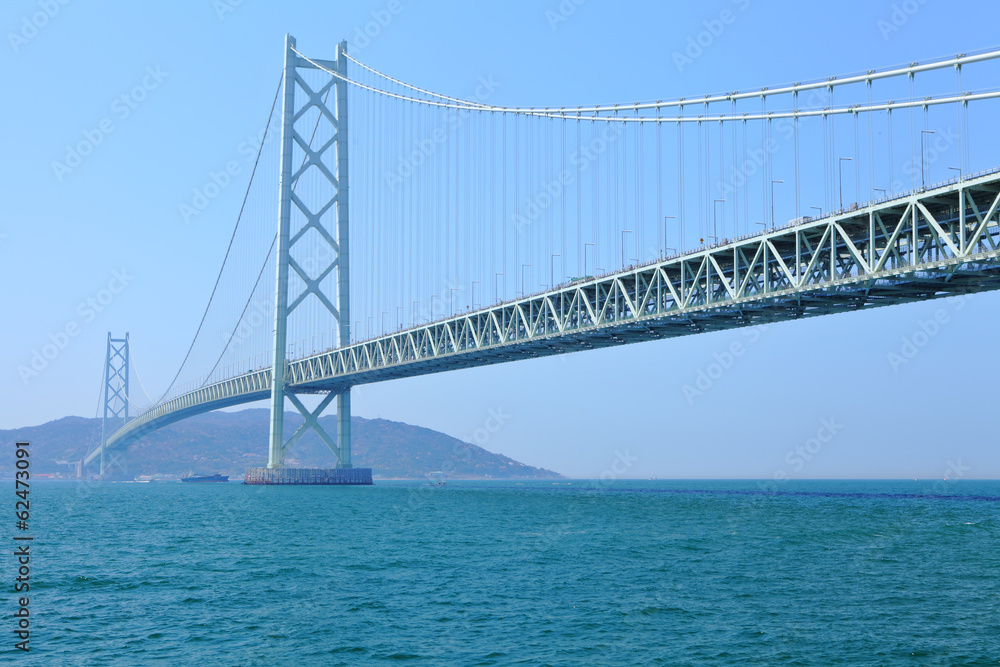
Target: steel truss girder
[(922, 246), (251, 386), (842, 255)]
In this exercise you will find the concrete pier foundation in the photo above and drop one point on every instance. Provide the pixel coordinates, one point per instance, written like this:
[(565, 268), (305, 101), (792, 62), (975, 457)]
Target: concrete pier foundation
[(330, 476)]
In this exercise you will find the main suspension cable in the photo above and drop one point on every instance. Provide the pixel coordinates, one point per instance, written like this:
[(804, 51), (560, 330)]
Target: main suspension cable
[(229, 248), (560, 112)]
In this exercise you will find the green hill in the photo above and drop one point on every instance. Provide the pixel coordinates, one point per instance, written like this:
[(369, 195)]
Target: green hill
[(229, 442)]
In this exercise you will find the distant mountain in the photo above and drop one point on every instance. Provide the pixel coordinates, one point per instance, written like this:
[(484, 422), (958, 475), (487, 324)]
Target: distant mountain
[(229, 442)]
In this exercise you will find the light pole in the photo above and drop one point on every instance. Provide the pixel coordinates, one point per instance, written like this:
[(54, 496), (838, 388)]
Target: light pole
[(772, 200), (585, 257), (923, 178), (474, 283), (496, 292), (715, 220), (665, 218), (840, 166), (884, 193), (552, 270), (624, 232), (818, 209), (958, 170)]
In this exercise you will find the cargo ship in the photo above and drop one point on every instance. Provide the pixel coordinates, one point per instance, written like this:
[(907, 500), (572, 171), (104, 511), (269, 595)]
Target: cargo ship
[(206, 478)]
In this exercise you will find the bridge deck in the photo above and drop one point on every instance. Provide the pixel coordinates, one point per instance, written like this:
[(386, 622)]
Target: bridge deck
[(929, 244)]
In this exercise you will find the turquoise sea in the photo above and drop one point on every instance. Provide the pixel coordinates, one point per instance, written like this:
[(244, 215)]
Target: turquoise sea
[(512, 573)]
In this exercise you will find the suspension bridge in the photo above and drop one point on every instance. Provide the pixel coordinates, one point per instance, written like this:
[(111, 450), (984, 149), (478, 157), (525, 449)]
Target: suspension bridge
[(477, 234)]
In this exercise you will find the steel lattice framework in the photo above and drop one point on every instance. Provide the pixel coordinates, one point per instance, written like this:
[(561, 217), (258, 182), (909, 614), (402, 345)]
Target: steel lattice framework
[(293, 118), (928, 244), (116, 373)]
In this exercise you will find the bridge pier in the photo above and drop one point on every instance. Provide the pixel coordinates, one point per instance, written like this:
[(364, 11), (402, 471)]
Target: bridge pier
[(344, 429), (310, 476)]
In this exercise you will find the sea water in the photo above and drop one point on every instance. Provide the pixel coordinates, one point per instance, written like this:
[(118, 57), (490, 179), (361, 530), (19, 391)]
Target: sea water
[(512, 573)]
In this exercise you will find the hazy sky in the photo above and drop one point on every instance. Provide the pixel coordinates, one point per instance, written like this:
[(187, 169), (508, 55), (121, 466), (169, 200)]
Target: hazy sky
[(209, 70)]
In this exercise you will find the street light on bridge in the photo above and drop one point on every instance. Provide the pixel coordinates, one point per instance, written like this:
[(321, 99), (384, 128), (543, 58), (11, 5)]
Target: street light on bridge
[(772, 200), (840, 166), (923, 176), (585, 256), (715, 221)]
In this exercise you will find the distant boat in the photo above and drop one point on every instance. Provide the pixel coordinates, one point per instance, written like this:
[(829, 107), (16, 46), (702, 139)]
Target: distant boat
[(206, 478)]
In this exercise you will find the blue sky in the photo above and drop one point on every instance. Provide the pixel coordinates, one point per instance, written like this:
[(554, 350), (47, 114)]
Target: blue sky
[(109, 228)]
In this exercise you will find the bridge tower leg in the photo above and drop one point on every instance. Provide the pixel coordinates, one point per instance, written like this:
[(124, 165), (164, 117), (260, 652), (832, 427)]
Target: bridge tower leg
[(116, 367), (337, 176), (343, 267)]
